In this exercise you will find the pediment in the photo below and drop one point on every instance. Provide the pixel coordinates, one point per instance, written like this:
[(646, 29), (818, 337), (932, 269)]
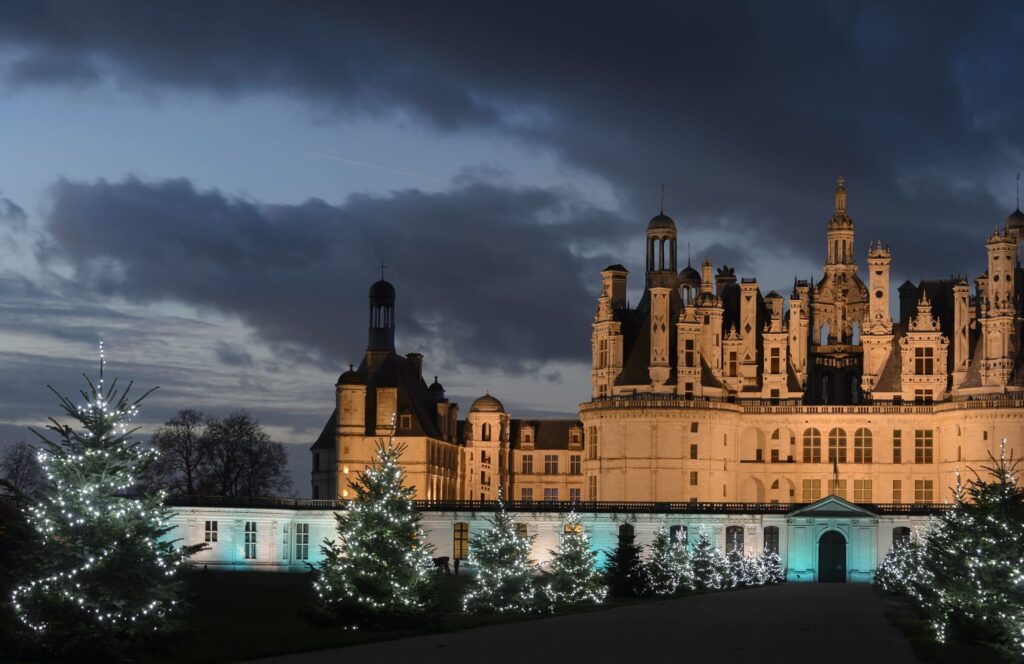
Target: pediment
[(832, 506)]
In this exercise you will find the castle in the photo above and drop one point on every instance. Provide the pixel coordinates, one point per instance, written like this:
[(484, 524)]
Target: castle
[(708, 391)]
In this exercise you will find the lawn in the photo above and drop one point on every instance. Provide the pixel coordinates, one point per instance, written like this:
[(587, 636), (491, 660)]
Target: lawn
[(243, 615)]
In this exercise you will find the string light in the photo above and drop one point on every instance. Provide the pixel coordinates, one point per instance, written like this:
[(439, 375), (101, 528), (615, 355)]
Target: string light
[(574, 578)]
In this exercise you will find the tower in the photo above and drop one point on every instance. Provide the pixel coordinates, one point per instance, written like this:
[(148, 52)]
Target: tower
[(606, 338), (661, 284), (382, 323)]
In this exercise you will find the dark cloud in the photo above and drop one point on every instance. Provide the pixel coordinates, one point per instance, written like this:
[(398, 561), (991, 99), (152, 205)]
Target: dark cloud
[(746, 109), (484, 273), (231, 355)]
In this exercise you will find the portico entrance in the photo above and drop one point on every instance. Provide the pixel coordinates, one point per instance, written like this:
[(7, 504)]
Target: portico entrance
[(832, 557)]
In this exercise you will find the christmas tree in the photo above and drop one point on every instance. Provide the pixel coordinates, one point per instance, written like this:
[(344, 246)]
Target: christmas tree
[(901, 569), (624, 570), (768, 568), (667, 567), (504, 580), (740, 568), (377, 572), (104, 581), (710, 568), (574, 577)]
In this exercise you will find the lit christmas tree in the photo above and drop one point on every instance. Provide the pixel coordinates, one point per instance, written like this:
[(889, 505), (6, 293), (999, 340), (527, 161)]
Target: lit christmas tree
[(710, 568), (105, 582), (667, 567), (377, 572), (624, 570), (504, 580), (574, 578), (741, 569), (903, 568), (768, 568)]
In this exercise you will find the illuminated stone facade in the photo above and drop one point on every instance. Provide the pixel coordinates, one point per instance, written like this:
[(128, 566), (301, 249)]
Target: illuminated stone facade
[(710, 391)]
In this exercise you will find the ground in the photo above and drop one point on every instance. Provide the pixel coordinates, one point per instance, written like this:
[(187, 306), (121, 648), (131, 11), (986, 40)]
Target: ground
[(791, 622)]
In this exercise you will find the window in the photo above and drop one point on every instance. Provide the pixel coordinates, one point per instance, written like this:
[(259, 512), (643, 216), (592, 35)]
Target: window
[(574, 436), (301, 541), (775, 456), (574, 464), (693, 427), (923, 396), (924, 361), (522, 531), (460, 542), (688, 357), (897, 446), (837, 488), (732, 363), (812, 490), (771, 539), (776, 361), (485, 431), (734, 538), (837, 445), (862, 491), (405, 422), (693, 478), (550, 495), (693, 450), (679, 534), (923, 445), (575, 528), (922, 491), (862, 446), (211, 532), (812, 446), (526, 493), (574, 494), (900, 535), (250, 540), (551, 464), (897, 491), (527, 464), (592, 487), (592, 447), (602, 357), (687, 390)]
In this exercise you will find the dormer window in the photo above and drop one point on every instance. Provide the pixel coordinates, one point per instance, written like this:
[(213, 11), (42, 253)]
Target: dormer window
[(527, 437), (405, 421)]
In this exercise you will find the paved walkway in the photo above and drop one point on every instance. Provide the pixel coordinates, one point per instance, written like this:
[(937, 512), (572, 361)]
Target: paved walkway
[(793, 622)]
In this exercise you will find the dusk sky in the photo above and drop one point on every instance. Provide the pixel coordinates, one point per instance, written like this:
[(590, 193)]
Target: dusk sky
[(208, 187)]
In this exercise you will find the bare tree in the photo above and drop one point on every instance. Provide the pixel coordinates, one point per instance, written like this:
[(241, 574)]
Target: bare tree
[(243, 460), (184, 448), (20, 470)]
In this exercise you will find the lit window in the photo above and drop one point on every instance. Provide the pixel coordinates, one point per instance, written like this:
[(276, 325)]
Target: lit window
[(301, 541), (897, 491), (862, 491), (837, 488), (211, 531), (812, 446), (575, 528), (550, 495), (250, 540), (897, 446), (460, 543), (837, 446), (923, 445), (862, 446), (812, 490), (922, 491)]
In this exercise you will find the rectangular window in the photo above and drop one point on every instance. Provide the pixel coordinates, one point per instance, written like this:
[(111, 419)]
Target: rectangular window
[(592, 487), (733, 370), (211, 531), (574, 494), (250, 540), (776, 361), (812, 490), (923, 396), (924, 361), (592, 443), (575, 466), (405, 422), (687, 390), (775, 456), (862, 491), (301, 541), (551, 464), (897, 446), (460, 541), (693, 478), (688, 355), (693, 427), (922, 491), (897, 491), (837, 488), (527, 464), (526, 493), (923, 445), (550, 495), (522, 531), (693, 450)]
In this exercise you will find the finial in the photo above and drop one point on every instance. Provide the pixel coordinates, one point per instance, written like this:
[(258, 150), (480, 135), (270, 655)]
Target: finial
[(435, 379), (840, 194), (382, 266), (351, 368), (663, 198), (1018, 190)]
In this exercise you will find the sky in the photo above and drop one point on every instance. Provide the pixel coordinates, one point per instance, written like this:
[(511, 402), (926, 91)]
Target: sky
[(209, 187)]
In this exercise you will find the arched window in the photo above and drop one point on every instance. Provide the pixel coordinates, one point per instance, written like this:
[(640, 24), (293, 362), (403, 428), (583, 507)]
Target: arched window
[(900, 535), (626, 535), (734, 538), (775, 484), (679, 534), (460, 541), (485, 431), (837, 445), (771, 539), (812, 446), (862, 446)]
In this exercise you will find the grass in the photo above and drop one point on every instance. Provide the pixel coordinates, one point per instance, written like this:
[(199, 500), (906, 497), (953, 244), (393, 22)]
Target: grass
[(903, 615), (245, 615)]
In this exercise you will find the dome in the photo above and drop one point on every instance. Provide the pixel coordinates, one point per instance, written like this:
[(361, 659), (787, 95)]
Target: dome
[(382, 290), (350, 377), (436, 386), (662, 222), (1015, 220), (487, 404), (689, 277)]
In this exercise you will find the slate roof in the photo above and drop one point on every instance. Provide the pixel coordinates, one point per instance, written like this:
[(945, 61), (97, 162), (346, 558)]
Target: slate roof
[(548, 434), (325, 441), (891, 378)]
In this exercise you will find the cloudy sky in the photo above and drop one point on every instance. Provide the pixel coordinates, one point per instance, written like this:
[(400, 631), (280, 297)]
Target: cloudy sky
[(208, 187)]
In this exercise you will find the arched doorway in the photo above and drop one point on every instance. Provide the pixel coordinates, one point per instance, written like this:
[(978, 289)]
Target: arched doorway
[(832, 557)]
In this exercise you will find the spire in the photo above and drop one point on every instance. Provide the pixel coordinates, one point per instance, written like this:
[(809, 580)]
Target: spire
[(687, 253), (1018, 190), (840, 195)]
